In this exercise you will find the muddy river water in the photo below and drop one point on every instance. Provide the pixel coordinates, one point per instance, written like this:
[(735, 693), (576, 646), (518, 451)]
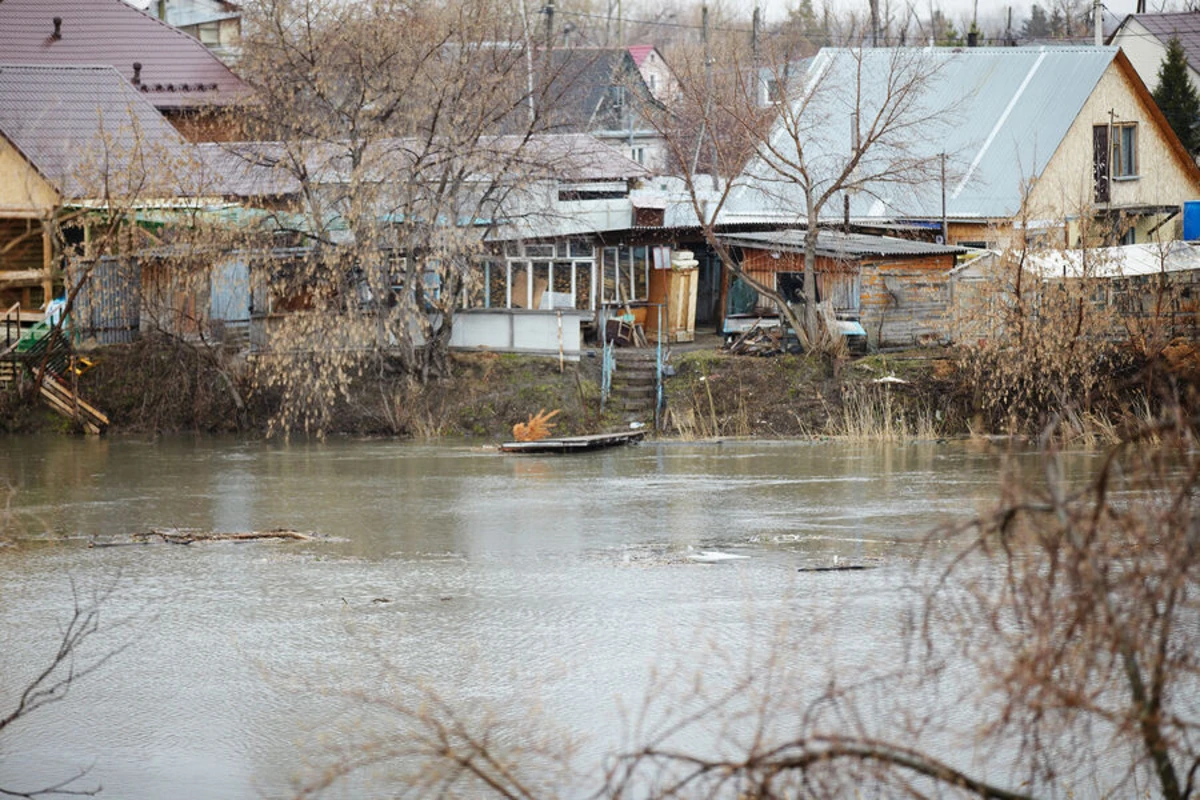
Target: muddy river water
[(549, 592)]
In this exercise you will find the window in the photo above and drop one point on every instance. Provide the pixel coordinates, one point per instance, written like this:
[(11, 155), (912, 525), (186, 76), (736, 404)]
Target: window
[(540, 275), (638, 154), (1124, 150), (209, 33), (774, 91)]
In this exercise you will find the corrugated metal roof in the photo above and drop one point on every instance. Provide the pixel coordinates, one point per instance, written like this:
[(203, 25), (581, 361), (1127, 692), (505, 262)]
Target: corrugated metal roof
[(1116, 262), (998, 113), (177, 70), (575, 157), (835, 244), (80, 126)]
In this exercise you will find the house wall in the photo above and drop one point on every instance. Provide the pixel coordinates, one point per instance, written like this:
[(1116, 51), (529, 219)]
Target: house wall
[(21, 187), (902, 302), (906, 302), (1146, 52), (659, 78), (1067, 189), (205, 125), (27, 200), (537, 332)]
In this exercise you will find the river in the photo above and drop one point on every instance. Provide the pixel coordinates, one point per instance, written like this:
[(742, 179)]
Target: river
[(543, 594)]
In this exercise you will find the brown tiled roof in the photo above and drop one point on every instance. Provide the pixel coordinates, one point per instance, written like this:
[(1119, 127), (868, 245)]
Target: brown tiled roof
[(81, 126), (177, 71), (1164, 27)]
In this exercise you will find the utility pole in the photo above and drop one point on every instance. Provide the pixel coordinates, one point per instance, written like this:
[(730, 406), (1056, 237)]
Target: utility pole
[(874, 23), (754, 25)]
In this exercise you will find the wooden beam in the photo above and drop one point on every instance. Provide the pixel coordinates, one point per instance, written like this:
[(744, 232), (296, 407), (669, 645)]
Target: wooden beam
[(11, 278)]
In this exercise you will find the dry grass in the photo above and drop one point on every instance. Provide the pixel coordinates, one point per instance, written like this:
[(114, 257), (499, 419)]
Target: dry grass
[(877, 413)]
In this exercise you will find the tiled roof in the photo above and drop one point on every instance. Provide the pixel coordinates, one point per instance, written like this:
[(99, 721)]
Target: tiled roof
[(177, 71), (82, 126), (1164, 27)]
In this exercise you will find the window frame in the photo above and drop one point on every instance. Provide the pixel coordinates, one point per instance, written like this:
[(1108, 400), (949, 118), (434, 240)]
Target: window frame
[(1123, 143)]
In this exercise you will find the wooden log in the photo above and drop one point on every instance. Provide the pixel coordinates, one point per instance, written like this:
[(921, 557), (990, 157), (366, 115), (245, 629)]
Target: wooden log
[(183, 536)]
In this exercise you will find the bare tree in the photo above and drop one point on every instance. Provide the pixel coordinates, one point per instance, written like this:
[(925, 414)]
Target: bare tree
[(69, 663), (408, 132)]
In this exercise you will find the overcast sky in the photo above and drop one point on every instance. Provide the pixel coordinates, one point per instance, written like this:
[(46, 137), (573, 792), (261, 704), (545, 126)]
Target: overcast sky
[(776, 9)]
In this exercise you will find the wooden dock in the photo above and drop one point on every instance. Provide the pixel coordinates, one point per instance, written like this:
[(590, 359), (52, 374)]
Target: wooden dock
[(574, 444)]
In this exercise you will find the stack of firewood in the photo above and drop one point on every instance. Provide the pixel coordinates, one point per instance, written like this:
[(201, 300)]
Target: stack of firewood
[(758, 342)]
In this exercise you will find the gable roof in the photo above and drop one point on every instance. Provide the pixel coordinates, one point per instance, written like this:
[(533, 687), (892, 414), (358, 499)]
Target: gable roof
[(582, 94), (998, 114), (177, 70), (639, 52), (1164, 27), (80, 125), (248, 168)]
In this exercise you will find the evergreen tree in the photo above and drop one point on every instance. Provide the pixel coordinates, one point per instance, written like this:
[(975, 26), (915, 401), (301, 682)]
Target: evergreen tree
[(1037, 26), (1176, 96)]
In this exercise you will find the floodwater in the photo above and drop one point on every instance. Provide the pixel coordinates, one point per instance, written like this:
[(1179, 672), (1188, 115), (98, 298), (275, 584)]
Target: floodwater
[(541, 596)]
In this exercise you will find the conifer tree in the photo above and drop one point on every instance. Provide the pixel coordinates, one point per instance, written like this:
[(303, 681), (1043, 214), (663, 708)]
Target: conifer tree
[(1176, 96), (1037, 26)]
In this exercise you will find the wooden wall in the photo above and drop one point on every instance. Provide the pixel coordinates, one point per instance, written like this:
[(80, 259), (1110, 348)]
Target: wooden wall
[(902, 302)]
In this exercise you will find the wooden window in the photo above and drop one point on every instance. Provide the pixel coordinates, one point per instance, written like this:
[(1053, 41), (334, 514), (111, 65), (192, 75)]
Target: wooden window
[(1100, 162), (1124, 151)]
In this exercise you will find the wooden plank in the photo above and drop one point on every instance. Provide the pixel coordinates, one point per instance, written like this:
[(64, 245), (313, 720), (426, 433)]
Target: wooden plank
[(570, 444), (66, 395)]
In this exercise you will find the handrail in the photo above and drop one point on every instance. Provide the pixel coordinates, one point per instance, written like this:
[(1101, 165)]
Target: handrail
[(8, 321)]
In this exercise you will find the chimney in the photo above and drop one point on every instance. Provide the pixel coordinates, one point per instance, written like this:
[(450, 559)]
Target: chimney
[(57, 28), (137, 73)]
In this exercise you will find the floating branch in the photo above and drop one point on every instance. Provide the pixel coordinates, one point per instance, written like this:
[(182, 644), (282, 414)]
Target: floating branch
[(187, 536)]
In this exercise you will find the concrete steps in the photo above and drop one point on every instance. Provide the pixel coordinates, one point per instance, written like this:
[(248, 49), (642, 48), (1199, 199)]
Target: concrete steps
[(634, 383)]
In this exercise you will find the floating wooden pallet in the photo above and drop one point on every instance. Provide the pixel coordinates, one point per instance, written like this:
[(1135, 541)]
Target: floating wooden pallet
[(574, 444)]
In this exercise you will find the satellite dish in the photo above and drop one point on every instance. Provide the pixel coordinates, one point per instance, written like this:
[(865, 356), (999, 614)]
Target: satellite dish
[(940, 239)]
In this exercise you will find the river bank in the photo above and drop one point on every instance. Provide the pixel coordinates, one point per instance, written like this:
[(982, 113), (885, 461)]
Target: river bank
[(163, 385)]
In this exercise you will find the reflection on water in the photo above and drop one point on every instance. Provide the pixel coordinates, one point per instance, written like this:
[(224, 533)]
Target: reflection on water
[(508, 582)]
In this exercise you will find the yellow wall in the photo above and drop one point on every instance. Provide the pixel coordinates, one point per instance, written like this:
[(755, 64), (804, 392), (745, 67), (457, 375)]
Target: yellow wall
[(21, 187), (1066, 188)]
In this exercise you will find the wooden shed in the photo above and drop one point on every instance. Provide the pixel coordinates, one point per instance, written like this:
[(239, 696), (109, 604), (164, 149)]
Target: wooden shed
[(899, 290)]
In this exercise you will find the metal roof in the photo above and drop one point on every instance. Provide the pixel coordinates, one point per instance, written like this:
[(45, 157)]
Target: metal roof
[(574, 157), (1185, 25), (80, 126), (835, 244), (177, 70), (1116, 262), (998, 114)]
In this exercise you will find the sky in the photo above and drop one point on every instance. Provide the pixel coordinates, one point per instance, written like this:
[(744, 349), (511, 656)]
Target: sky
[(777, 9)]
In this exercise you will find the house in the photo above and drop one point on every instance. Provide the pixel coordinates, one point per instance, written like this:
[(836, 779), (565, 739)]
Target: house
[(549, 255), (177, 74), (71, 138), (655, 71), (899, 290), (1144, 39), (1142, 292), (602, 92), (985, 147), (217, 24)]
